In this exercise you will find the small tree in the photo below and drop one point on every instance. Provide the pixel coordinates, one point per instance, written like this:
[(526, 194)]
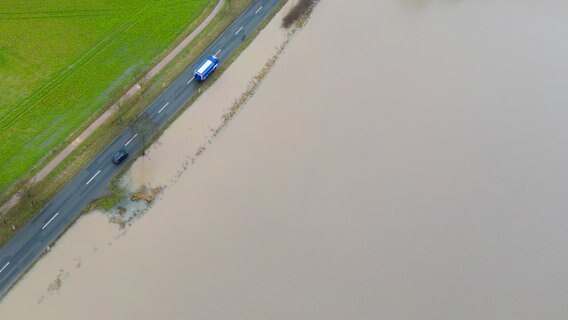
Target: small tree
[(118, 115), (145, 128), (28, 195)]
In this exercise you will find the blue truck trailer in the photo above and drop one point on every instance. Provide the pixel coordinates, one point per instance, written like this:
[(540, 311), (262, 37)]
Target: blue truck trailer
[(205, 68)]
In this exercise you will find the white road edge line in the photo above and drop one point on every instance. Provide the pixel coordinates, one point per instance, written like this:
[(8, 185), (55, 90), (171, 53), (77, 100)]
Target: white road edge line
[(45, 225), (258, 10), (163, 107), (130, 140), (241, 28), (217, 52), (96, 174), (4, 267), (190, 80)]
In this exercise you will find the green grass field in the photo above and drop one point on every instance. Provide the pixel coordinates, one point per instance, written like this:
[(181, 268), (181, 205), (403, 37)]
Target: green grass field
[(62, 60)]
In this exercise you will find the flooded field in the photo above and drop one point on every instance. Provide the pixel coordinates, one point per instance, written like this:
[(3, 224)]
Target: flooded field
[(404, 159)]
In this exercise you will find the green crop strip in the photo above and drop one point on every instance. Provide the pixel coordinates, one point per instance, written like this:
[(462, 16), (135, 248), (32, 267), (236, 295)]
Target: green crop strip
[(61, 62)]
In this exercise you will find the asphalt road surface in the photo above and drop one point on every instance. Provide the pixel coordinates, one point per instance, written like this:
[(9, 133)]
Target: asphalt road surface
[(33, 239)]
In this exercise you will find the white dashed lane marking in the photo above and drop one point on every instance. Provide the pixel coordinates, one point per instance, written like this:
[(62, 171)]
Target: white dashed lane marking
[(163, 107), (130, 140), (96, 174), (45, 225)]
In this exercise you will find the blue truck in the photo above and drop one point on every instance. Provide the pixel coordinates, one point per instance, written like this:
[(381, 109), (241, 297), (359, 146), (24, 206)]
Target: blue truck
[(205, 68)]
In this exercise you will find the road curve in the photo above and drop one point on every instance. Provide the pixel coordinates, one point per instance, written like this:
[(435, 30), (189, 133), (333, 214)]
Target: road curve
[(26, 246)]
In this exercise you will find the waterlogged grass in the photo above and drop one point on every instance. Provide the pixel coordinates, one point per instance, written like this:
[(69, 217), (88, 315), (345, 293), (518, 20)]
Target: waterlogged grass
[(62, 61)]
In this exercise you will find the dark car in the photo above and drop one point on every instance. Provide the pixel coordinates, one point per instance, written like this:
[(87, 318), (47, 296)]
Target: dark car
[(119, 156)]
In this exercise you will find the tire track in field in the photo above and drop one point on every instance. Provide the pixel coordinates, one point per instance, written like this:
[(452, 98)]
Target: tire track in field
[(57, 13), (63, 10), (58, 16), (7, 120), (6, 15)]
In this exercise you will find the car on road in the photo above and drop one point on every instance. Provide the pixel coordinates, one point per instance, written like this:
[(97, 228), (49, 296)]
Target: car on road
[(119, 156)]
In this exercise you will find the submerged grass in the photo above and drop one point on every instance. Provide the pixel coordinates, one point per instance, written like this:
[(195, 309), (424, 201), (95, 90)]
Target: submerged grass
[(301, 10)]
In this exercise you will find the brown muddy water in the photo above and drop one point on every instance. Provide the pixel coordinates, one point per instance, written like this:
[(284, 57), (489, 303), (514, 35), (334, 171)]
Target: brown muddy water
[(404, 159)]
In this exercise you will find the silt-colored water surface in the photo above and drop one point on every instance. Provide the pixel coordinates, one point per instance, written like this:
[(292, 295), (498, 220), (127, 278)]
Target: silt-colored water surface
[(404, 159)]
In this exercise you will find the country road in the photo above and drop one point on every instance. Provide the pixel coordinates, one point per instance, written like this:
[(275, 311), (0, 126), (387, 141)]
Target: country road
[(33, 239)]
